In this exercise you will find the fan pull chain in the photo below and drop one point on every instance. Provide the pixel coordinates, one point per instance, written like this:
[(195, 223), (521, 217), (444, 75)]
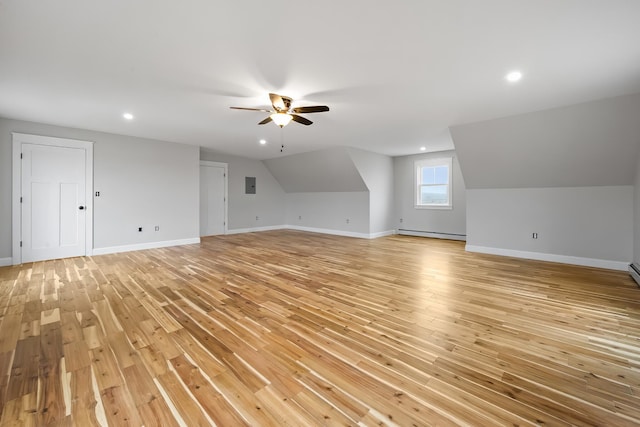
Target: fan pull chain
[(281, 140)]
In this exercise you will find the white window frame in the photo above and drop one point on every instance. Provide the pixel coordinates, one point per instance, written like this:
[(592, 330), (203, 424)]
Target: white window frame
[(432, 162)]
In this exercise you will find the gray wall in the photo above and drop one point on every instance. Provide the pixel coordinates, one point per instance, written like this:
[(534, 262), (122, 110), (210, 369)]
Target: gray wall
[(587, 222), (584, 145), (268, 204), (377, 172), (636, 215), (450, 221), (5, 190), (329, 170), (142, 183), (313, 208), (567, 171), (325, 188), (329, 211)]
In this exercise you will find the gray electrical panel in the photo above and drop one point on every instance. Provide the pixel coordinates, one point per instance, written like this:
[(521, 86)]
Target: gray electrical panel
[(250, 185)]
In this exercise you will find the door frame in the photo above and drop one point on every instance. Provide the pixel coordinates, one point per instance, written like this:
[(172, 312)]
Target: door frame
[(225, 166), (16, 211)]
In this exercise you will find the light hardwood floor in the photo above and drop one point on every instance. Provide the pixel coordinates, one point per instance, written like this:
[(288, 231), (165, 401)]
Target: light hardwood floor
[(292, 328)]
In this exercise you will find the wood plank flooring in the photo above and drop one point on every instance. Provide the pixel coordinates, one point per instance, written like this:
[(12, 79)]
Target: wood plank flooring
[(291, 328)]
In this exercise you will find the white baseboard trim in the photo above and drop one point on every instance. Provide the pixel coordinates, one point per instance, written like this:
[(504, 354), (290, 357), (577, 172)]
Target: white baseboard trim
[(341, 232), (328, 231), (313, 230), (142, 246), (4, 262), (539, 256), (382, 234), (256, 229), (449, 236)]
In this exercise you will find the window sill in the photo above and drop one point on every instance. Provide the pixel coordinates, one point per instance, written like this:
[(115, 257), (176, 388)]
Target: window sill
[(435, 207)]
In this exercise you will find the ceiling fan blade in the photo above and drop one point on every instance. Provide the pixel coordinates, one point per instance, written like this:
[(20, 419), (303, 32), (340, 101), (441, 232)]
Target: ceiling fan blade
[(312, 109), (301, 119), (265, 121), (278, 102), (251, 109)]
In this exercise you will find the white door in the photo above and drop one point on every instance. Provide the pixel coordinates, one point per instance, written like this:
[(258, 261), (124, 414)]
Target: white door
[(53, 205), (213, 186)]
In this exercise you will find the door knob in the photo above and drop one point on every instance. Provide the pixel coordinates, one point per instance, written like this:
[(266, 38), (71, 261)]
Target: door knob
[(81, 208)]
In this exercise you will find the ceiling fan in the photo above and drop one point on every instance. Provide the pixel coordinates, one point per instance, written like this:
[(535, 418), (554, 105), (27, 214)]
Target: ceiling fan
[(282, 112)]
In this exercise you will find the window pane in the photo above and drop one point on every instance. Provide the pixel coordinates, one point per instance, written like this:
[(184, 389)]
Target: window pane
[(428, 175), (434, 195), (441, 175)]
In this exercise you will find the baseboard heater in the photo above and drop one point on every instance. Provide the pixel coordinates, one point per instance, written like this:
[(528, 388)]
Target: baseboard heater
[(634, 271), (435, 234)]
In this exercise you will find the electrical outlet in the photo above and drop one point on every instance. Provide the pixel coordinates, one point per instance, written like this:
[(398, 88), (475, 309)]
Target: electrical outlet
[(257, 218), (140, 229), (401, 220), (347, 220), (534, 236), (157, 228), (300, 217)]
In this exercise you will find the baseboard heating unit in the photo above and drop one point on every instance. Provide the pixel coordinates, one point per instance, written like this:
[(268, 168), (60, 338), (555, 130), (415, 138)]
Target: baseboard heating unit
[(634, 271), (435, 234)]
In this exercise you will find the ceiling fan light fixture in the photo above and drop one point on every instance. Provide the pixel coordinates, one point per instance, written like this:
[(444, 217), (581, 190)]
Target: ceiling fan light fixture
[(282, 113), (513, 76), (281, 119)]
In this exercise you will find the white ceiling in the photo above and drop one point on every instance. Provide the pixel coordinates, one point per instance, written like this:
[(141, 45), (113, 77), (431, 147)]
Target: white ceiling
[(395, 75)]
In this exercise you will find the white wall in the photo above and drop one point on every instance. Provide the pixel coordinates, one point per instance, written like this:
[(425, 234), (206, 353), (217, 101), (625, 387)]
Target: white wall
[(581, 225), (377, 172), (439, 221), (329, 211), (142, 183), (268, 204)]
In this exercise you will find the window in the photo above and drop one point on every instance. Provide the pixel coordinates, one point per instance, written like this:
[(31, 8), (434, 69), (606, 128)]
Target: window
[(433, 184)]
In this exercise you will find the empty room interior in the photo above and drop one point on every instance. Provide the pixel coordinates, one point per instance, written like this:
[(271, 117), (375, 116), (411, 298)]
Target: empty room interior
[(328, 213)]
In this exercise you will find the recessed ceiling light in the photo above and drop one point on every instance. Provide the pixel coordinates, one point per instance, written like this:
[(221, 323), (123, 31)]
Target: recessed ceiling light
[(423, 148), (263, 141), (128, 116), (513, 76)]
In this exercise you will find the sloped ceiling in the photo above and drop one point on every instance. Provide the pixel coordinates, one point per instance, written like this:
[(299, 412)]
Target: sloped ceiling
[(396, 75), (589, 144), (328, 170)]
